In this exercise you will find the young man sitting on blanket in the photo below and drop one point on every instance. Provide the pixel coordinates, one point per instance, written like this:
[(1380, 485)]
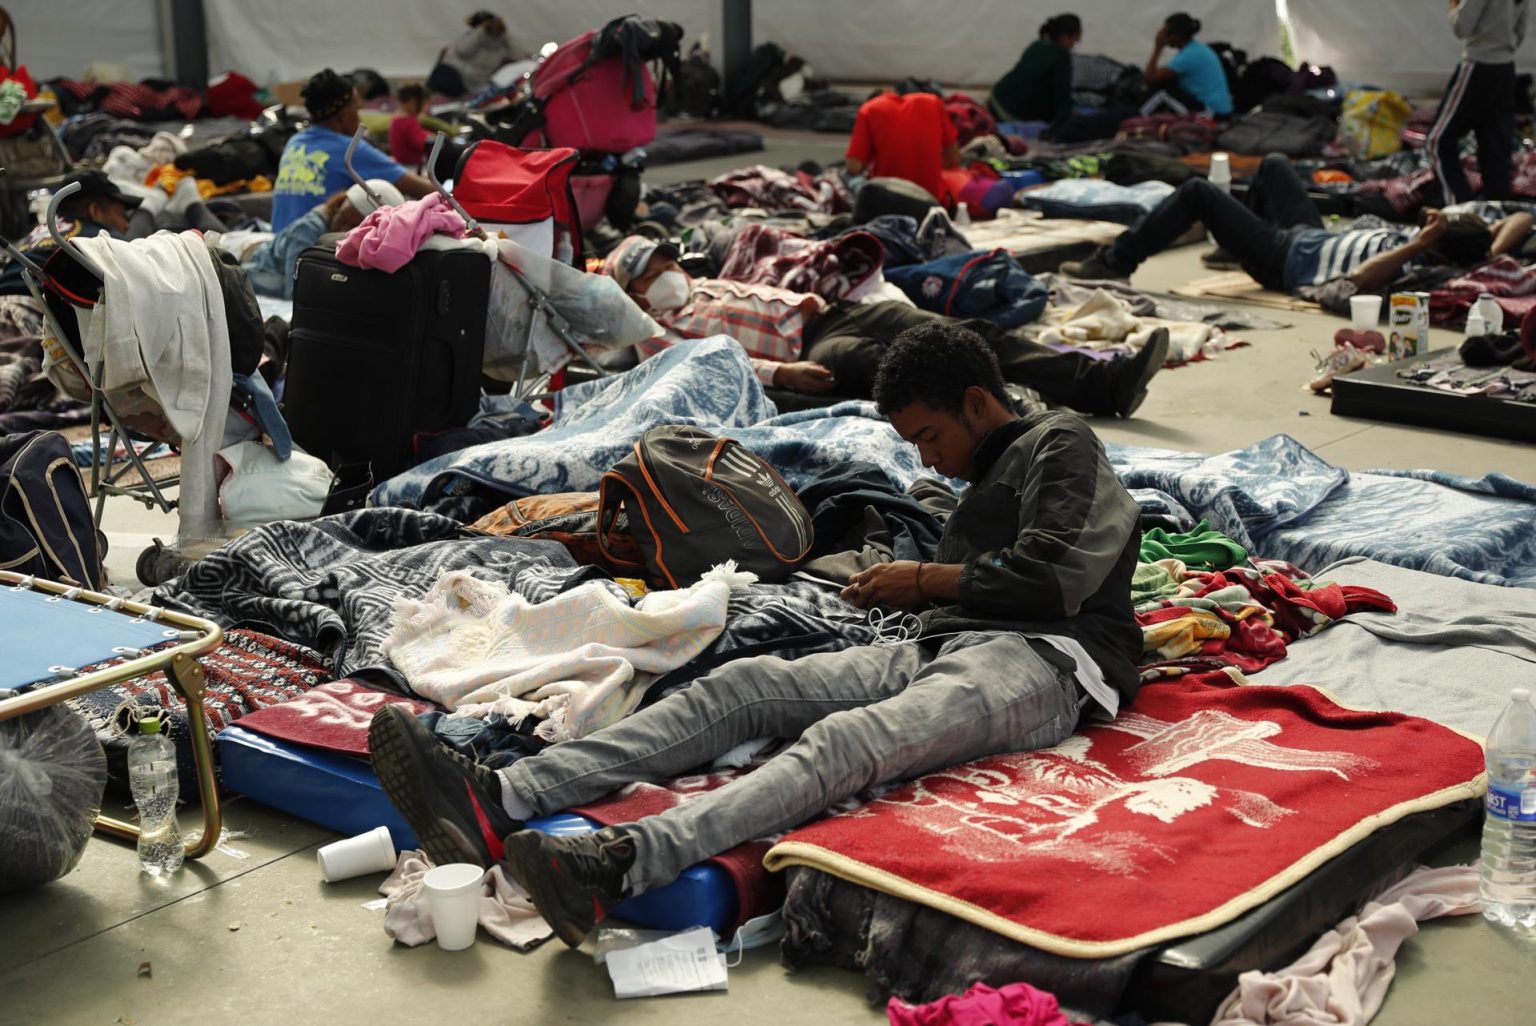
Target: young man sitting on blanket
[(1026, 621), (805, 344), (1278, 237)]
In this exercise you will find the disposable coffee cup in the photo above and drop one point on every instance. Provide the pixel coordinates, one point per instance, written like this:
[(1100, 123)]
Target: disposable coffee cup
[(1220, 173), (453, 898), (1365, 312), (373, 852)]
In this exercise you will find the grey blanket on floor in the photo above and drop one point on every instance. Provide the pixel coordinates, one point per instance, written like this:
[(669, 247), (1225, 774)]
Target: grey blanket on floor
[(332, 583), (920, 954), (1450, 654)]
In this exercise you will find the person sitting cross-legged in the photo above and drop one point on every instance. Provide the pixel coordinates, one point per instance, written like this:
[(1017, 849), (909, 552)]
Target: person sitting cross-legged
[(1026, 623)]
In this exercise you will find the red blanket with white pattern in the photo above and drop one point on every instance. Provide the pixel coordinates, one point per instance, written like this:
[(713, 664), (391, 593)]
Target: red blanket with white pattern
[(1200, 801)]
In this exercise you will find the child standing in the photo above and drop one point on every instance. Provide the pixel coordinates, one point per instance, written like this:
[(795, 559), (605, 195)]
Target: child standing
[(407, 139)]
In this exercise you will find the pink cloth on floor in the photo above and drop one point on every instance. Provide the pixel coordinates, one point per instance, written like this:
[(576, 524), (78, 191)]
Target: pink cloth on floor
[(389, 237), (1343, 979), (1015, 1004), (506, 912)]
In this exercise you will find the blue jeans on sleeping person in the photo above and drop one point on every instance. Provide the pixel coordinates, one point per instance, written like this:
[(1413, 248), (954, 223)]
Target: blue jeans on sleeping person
[(863, 716)]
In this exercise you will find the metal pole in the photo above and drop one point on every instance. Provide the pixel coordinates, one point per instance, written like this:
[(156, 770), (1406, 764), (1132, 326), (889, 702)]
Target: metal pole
[(735, 41), (184, 27)]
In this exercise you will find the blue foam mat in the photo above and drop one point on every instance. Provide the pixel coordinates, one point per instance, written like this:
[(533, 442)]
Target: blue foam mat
[(341, 793)]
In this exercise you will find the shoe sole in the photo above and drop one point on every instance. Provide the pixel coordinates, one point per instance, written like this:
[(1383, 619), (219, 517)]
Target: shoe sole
[(1158, 343), (562, 909), (404, 774)]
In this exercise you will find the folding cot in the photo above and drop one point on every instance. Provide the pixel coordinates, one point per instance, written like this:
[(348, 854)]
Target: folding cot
[(47, 630)]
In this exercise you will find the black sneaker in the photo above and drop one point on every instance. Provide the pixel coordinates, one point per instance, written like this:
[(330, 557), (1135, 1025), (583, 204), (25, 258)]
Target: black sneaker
[(574, 880), (453, 803), (1095, 268), (1131, 375), (1219, 259)]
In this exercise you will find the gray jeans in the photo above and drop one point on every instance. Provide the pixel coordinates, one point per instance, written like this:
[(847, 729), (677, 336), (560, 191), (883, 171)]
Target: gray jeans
[(864, 716)]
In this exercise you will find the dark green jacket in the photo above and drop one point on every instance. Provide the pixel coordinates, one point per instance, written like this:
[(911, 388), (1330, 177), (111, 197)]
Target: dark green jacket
[(1049, 538), (1039, 86)]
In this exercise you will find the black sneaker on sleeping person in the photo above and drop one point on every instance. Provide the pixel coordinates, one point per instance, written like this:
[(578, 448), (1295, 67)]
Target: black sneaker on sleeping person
[(574, 881), (453, 803), (1131, 375), (1095, 268)]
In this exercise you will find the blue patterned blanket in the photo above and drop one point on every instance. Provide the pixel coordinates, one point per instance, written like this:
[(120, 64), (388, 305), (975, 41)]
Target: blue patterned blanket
[(1280, 500), (1276, 498), (708, 383)]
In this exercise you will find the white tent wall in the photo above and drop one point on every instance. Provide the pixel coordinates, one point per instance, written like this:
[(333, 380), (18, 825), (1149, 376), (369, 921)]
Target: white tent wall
[(60, 37), (966, 42), (1402, 44), (280, 40), (972, 42)]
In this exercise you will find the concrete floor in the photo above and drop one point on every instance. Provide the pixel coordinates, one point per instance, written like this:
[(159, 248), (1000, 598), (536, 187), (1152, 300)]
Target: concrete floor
[(262, 939)]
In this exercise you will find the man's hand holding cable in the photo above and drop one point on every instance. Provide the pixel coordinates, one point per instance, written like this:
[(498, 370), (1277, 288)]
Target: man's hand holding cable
[(904, 584)]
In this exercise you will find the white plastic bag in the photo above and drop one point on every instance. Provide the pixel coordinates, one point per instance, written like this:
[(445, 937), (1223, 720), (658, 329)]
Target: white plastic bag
[(52, 775)]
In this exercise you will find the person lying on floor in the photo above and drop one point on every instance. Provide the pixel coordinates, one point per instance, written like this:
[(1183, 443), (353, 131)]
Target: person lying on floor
[(122, 212), (1278, 237), (1026, 622), (805, 344), (270, 264), (313, 164)]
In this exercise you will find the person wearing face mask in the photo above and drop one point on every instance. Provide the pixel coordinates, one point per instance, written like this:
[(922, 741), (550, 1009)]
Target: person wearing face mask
[(805, 344)]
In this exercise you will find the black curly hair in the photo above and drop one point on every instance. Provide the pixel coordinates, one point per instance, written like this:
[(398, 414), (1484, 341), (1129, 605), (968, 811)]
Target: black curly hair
[(935, 363), (326, 94)]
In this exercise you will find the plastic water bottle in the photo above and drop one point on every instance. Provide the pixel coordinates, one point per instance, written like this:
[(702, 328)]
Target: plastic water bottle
[(1492, 314), (152, 778), (1509, 833)]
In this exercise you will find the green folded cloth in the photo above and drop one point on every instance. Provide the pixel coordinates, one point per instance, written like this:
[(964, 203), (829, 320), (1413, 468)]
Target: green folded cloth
[(1199, 549)]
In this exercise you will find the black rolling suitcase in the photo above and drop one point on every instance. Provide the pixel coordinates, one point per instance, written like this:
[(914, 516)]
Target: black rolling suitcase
[(377, 358)]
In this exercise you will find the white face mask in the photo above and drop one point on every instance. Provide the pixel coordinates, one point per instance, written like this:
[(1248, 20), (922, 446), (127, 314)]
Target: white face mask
[(670, 291)]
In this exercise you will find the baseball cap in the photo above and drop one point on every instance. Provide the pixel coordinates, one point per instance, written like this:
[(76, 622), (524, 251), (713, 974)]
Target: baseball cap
[(631, 257), (96, 185)]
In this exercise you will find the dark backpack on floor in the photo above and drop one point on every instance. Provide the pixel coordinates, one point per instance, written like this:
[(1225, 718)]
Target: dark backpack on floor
[(696, 89), (692, 501), (46, 528)]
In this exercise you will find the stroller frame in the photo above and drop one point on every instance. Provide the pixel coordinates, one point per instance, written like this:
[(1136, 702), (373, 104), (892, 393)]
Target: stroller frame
[(182, 669), (524, 388)]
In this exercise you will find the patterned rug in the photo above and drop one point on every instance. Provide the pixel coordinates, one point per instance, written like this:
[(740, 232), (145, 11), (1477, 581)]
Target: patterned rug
[(249, 671), (1199, 802)]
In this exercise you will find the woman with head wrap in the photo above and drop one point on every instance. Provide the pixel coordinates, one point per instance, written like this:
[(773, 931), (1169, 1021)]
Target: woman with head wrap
[(313, 165)]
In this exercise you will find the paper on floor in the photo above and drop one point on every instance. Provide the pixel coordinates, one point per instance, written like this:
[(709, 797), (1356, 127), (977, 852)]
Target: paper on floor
[(683, 962)]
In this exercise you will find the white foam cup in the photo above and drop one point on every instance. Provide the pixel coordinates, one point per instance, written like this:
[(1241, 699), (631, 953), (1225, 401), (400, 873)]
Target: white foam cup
[(373, 852), (1365, 312), (453, 896)]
